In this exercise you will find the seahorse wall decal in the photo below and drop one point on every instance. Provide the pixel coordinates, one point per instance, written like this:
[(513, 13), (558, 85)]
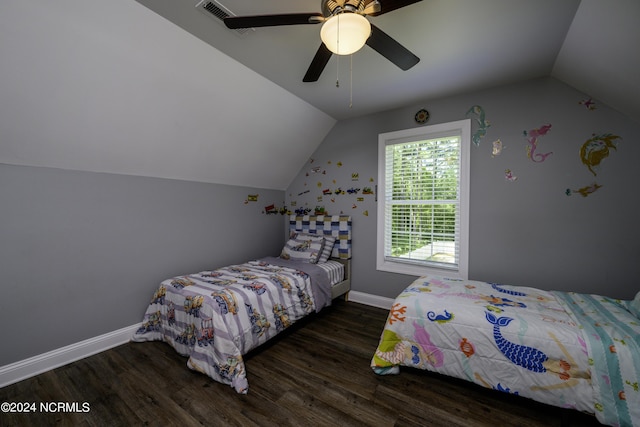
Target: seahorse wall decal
[(524, 356), (483, 124)]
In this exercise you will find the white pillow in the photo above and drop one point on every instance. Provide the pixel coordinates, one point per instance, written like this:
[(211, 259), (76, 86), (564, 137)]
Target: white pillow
[(303, 247)]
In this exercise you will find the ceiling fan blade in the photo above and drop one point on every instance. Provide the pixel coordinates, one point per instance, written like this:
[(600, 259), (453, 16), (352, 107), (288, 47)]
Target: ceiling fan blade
[(387, 6), (386, 46), (235, 22), (372, 8), (317, 65)]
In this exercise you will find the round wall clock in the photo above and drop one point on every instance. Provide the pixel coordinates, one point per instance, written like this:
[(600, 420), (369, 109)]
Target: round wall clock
[(422, 116)]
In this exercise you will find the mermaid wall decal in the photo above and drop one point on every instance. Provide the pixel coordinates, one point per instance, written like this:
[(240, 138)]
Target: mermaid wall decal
[(532, 139)]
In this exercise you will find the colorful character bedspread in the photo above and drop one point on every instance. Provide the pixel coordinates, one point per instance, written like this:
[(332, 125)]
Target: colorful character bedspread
[(569, 350), (215, 317)]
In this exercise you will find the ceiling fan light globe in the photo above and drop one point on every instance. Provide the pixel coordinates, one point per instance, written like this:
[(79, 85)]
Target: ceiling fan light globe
[(345, 33)]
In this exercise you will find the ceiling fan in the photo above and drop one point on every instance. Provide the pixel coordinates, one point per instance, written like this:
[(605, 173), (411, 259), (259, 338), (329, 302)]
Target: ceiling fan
[(343, 22)]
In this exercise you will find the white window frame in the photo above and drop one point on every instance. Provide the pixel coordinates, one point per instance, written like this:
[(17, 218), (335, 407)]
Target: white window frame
[(383, 263)]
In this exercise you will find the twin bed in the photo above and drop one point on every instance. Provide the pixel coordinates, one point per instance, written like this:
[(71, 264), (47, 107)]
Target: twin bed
[(565, 349), (215, 317)]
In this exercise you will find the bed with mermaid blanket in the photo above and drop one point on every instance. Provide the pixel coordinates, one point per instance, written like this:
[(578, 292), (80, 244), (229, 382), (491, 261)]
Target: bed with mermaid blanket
[(565, 349), (215, 317)]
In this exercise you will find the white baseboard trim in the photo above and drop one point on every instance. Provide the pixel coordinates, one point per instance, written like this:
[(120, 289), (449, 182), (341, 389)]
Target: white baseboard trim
[(372, 300), (23, 369), (27, 368)]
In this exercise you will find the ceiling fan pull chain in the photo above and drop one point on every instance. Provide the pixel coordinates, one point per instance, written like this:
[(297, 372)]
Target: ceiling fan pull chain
[(338, 56), (351, 84)]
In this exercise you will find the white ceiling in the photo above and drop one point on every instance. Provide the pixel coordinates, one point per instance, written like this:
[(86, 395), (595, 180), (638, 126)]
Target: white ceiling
[(463, 45)]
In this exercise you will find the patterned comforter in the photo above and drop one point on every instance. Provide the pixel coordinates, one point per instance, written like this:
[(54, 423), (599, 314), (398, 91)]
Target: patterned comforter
[(215, 317), (565, 349)]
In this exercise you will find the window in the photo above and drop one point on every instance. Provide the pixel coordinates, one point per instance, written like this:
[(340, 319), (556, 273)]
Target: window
[(423, 200)]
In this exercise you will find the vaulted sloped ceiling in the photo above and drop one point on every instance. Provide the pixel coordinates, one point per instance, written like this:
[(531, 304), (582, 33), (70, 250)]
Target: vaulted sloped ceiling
[(601, 55), (463, 45), (109, 86), (157, 88)]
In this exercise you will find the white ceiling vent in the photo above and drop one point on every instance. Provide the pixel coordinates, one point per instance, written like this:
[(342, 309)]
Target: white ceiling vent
[(218, 11)]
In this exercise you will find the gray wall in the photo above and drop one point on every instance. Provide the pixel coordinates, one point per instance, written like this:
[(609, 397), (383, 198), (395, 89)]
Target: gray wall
[(82, 252), (528, 232)]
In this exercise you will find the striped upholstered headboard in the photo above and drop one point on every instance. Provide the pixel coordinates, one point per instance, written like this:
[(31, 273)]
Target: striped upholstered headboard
[(338, 226)]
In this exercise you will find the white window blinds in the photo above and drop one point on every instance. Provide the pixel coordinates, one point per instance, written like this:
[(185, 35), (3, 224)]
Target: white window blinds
[(422, 213), (423, 205)]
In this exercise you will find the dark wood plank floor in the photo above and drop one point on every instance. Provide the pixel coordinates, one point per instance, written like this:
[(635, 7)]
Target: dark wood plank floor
[(316, 373)]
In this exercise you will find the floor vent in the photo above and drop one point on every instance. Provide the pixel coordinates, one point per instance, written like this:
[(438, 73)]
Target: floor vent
[(218, 11)]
